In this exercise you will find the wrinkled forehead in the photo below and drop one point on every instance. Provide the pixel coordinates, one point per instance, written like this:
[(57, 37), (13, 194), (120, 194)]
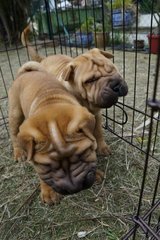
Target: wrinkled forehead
[(98, 66)]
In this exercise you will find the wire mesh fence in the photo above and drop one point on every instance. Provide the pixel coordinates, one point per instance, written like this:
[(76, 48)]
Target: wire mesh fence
[(73, 27)]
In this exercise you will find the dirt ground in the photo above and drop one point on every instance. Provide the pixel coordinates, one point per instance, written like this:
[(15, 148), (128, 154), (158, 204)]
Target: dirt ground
[(105, 210)]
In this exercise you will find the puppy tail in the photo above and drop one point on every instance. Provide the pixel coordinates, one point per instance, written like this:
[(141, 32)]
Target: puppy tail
[(30, 66), (26, 43)]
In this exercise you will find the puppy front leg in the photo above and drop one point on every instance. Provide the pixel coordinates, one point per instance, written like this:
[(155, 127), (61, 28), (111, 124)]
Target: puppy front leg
[(102, 147), (15, 120), (48, 195)]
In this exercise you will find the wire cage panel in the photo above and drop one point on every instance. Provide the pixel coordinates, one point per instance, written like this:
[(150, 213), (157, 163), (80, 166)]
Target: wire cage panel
[(135, 118)]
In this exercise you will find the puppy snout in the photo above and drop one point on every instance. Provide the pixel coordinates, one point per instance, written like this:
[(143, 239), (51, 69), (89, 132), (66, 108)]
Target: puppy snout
[(119, 86), (73, 184), (77, 186), (89, 179)]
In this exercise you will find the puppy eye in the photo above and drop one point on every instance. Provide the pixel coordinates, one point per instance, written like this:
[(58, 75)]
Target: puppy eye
[(80, 130), (91, 80)]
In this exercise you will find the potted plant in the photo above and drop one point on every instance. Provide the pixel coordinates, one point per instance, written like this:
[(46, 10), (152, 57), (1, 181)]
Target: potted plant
[(84, 36), (101, 35), (138, 44), (123, 12), (154, 38)]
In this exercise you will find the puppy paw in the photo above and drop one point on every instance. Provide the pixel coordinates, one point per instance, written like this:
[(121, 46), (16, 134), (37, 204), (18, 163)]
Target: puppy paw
[(99, 176), (19, 154), (103, 149), (49, 196)]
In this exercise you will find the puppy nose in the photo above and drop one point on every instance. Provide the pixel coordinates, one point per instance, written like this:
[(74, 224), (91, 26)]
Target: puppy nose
[(120, 87), (89, 179)]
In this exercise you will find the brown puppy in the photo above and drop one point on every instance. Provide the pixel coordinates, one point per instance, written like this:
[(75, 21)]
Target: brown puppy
[(50, 127), (91, 77)]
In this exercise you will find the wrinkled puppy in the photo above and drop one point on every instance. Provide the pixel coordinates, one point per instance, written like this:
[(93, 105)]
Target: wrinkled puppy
[(91, 77), (49, 127)]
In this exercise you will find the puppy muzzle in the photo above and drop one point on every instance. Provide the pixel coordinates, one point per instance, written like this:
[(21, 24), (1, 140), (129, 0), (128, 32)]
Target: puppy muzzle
[(111, 90), (71, 182), (69, 175)]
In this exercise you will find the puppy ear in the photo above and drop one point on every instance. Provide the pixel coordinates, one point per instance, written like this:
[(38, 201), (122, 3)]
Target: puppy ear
[(83, 124), (27, 143), (27, 138), (68, 72), (106, 54)]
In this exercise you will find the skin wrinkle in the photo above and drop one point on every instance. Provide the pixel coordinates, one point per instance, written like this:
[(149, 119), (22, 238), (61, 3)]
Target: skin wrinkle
[(101, 72), (63, 170), (99, 69), (94, 55), (60, 176), (49, 155), (65, 167), (90, 96)]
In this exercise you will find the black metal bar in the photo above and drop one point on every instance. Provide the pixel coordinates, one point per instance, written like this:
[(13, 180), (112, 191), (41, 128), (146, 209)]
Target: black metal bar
[(124, 114), (49, 22), (75, 28), (149, 68), (135, 72), (124, 67), (148, 147), (4, 120), (145, 227), (156, 134), (154, 196), (68, 38), (4, 84), (131, 231), (103, 25), (58, 26), (132, 144), (112, 28)]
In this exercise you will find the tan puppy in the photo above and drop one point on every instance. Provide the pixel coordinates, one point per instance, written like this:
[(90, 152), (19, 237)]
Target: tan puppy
[(50, 127), (91, 77)]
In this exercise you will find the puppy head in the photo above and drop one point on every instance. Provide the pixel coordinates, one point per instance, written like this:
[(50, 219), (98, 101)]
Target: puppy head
[(96, 78), (62, 147)]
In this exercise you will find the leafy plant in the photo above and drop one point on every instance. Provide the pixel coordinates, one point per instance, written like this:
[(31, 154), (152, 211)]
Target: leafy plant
[(119, 39), (99, 27), (146, 6), (88, 25), (157, 18), (119, 4)]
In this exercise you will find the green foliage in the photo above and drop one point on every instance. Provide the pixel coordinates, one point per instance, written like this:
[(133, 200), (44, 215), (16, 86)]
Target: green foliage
[(90, 26), (87, 25), (99, 27), (147, 6), (118, 38), (118, 4), (14, 15)]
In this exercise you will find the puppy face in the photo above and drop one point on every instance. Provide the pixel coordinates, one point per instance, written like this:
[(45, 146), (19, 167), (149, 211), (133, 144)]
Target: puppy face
[(96, 78), (62, 148)]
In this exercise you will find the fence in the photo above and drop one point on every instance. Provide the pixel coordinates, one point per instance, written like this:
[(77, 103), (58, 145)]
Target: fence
[(135, 119)]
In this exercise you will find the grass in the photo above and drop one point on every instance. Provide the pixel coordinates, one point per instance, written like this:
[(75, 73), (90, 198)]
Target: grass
[(103, 212)]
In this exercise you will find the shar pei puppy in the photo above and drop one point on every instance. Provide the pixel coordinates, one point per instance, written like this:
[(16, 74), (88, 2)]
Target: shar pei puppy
[(50, 128), (91, 77)]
